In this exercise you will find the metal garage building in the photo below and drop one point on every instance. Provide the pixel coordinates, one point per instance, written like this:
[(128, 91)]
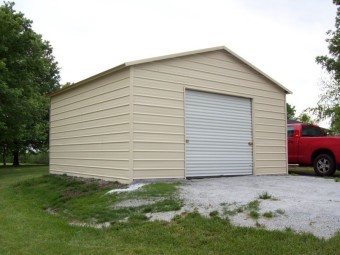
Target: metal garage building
[(200, 113)]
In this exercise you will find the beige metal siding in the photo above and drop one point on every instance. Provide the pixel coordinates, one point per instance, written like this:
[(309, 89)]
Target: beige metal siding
[(159, 130), (90, 128)]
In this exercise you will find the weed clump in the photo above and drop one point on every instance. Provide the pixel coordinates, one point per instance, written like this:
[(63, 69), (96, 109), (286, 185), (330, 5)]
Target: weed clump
[(254, 214), (269, 214), (265, 195)]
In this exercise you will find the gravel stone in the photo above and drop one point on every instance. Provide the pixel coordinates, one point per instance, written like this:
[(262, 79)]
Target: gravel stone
[(310, 204)]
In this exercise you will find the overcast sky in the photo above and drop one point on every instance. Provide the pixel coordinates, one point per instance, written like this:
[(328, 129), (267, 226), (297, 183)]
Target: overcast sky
[(280, 37)]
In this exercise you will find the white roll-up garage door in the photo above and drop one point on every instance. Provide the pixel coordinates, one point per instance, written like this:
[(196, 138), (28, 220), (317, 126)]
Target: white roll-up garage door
[(218, 135)]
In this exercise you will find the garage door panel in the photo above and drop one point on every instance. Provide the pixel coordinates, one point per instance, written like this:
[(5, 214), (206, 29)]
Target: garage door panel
[(217, 171), (208, 138), (218, 132)]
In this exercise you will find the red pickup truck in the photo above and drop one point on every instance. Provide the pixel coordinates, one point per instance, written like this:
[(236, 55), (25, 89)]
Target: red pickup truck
[(309, 145)]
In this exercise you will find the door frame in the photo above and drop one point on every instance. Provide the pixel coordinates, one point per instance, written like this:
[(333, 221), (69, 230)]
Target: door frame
[(252, 99)]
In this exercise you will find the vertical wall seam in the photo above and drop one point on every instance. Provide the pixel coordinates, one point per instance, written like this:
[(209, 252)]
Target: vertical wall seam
[(253, 126), (49, 135), (131, 139), (286, 148), (185, 133)]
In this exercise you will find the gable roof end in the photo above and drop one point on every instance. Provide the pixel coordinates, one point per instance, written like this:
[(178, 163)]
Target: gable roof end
[(182, 54)]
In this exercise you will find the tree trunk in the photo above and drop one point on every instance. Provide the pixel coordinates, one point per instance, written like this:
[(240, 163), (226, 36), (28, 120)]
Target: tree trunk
[(4, 155), (16, 158)]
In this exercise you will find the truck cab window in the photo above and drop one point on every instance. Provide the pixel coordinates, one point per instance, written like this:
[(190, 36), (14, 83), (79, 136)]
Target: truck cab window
[(311, 131), (290, 131)]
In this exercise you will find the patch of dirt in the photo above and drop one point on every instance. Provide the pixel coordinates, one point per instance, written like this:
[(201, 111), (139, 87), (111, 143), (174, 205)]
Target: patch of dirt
[(130, 188), (100, 183), (165, 216), (89, 225), (137, 202), (52, 211), (74, 193)]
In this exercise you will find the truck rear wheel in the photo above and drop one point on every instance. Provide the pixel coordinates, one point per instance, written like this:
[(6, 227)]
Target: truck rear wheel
[(324, 165)]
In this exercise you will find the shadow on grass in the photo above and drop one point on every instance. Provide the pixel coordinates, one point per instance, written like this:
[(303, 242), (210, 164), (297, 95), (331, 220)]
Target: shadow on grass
[(308, 171), (16, 173), (9, 165)]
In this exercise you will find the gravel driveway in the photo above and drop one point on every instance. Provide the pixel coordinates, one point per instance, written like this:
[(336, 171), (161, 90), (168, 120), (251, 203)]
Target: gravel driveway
[(303, 204)]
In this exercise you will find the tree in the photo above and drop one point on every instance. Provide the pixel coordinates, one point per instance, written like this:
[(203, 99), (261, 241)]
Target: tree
[(332, 63), (329, 102), (28, 72), (291, 112), (328, 106), (306, 118)]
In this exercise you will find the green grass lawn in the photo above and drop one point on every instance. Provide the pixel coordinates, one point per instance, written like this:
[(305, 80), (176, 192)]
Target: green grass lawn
[(26, 193), (308, 171)]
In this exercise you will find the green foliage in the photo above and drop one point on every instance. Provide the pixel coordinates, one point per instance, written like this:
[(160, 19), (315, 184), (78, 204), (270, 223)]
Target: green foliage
[(213, 214), (265, 195), (253, 205), (251, 208), (254, 214), (329, 102), (291, 112), (306, 118), (240, 209), (152, 190), (227, 211), (28, 72), (137, 217), (303, 117), (40, 158), (269, 214), (332, 62), (67, 84), (328, 106)]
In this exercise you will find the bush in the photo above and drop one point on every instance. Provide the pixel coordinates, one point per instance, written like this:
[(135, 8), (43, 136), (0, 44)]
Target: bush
[(40, 158)]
